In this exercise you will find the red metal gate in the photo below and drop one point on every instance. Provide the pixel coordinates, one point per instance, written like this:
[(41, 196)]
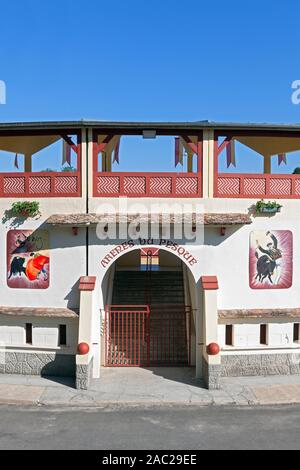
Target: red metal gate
[(170, 335), (134, 338), (127, 336)]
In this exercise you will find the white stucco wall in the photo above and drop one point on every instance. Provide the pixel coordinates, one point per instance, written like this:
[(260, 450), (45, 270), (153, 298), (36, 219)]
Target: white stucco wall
[(227, 257), (67, 257), (45, 333)]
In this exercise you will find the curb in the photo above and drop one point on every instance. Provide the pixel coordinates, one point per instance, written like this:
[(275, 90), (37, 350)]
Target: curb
[(138, 405)]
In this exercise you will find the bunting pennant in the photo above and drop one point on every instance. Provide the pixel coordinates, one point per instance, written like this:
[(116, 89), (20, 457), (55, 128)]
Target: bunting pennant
[(149, 259), (117, 151), (282, 158), (230, 153), (16, 163), (177, 151), (66, 157), (182, 146)]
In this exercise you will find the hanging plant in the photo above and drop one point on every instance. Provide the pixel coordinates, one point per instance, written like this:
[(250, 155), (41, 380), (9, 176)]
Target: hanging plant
[(25, 209), (269, 207)]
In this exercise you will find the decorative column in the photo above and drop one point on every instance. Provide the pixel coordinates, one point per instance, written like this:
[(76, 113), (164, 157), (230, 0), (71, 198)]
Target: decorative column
[(27, 163), (211, 364), (267, 164), (84, 357), (209, 167)]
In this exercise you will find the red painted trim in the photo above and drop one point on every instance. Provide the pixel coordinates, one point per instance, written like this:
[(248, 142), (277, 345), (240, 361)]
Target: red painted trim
[(265, 177), (175, 177), (223, 145), (87, 283), (197, 148), (71, 143), (53, 176), (209, 282), (216, 160), (190, 143)]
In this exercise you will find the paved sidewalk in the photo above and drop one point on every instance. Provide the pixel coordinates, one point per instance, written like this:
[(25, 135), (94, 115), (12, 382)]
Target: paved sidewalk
[(149, 387)]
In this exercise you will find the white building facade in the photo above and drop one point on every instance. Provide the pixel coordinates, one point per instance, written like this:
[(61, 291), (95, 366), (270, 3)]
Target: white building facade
[(120, 269)]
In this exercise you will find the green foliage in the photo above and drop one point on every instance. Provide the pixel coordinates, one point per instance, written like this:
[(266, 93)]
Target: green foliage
[(25, 208), (296, 171), (271, 206), (68, 168), (48, 170)]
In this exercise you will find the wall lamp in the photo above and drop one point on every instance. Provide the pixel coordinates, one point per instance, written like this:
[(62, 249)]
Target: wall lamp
[(148, 134)]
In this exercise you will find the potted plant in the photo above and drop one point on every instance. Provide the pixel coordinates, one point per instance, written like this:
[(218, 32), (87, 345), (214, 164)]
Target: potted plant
[(25, 208), (270, 207)]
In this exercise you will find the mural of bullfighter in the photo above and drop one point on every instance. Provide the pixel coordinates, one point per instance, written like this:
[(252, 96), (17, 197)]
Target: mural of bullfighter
[(271, 259), (28, 259)]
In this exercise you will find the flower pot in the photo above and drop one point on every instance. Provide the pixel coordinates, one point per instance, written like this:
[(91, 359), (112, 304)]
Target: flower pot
[(270, 210)]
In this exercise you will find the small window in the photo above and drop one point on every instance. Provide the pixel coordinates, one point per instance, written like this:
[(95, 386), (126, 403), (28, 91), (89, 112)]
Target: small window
[(263, 334), (62, 338), (296, 332), (28, 328), (229, 335)]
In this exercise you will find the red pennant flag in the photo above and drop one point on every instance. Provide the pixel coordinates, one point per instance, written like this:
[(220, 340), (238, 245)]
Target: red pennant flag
[(116, 152), (282, 158), (177, 150), (230, 153), (66, 153), (16, 164)]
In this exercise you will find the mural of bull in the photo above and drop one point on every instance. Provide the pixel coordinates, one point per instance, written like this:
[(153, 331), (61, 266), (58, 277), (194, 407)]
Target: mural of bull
[(265, 268), (17, 266)]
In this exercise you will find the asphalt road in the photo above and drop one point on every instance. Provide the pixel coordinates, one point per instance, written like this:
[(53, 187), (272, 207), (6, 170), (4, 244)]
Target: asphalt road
[(160, 428)]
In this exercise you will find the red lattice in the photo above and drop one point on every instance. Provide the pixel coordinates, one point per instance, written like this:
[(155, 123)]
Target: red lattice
[(65, 184), (254, 186), (14, 185), (228, 186), (297, 187), (39, 185), (187, 185), (160, 185), (108, 184), (134, 185), (280, 186)]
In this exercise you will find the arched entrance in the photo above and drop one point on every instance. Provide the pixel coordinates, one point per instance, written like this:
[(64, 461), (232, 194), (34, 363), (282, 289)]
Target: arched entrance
[(149, 316)]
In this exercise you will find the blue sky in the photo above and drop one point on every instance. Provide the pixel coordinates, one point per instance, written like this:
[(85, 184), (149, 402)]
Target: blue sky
[(156, 60)]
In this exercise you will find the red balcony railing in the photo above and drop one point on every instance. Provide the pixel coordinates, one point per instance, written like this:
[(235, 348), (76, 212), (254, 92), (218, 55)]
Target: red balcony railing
[(147, 184), (42, 184), (234, 185)]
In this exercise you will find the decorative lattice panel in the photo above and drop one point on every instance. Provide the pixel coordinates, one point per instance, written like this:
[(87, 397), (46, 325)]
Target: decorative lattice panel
[(186, 185), (280, 186), (40, 184), (108, 184), (254, 186), (65, 184), (160, 185), (228, 186), (134, 185), (14, 185), (297, 187)]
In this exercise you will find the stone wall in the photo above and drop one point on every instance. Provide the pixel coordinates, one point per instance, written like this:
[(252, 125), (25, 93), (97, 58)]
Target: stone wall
[(36, 363), (211, 374), (260, 364), (84, 375)]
